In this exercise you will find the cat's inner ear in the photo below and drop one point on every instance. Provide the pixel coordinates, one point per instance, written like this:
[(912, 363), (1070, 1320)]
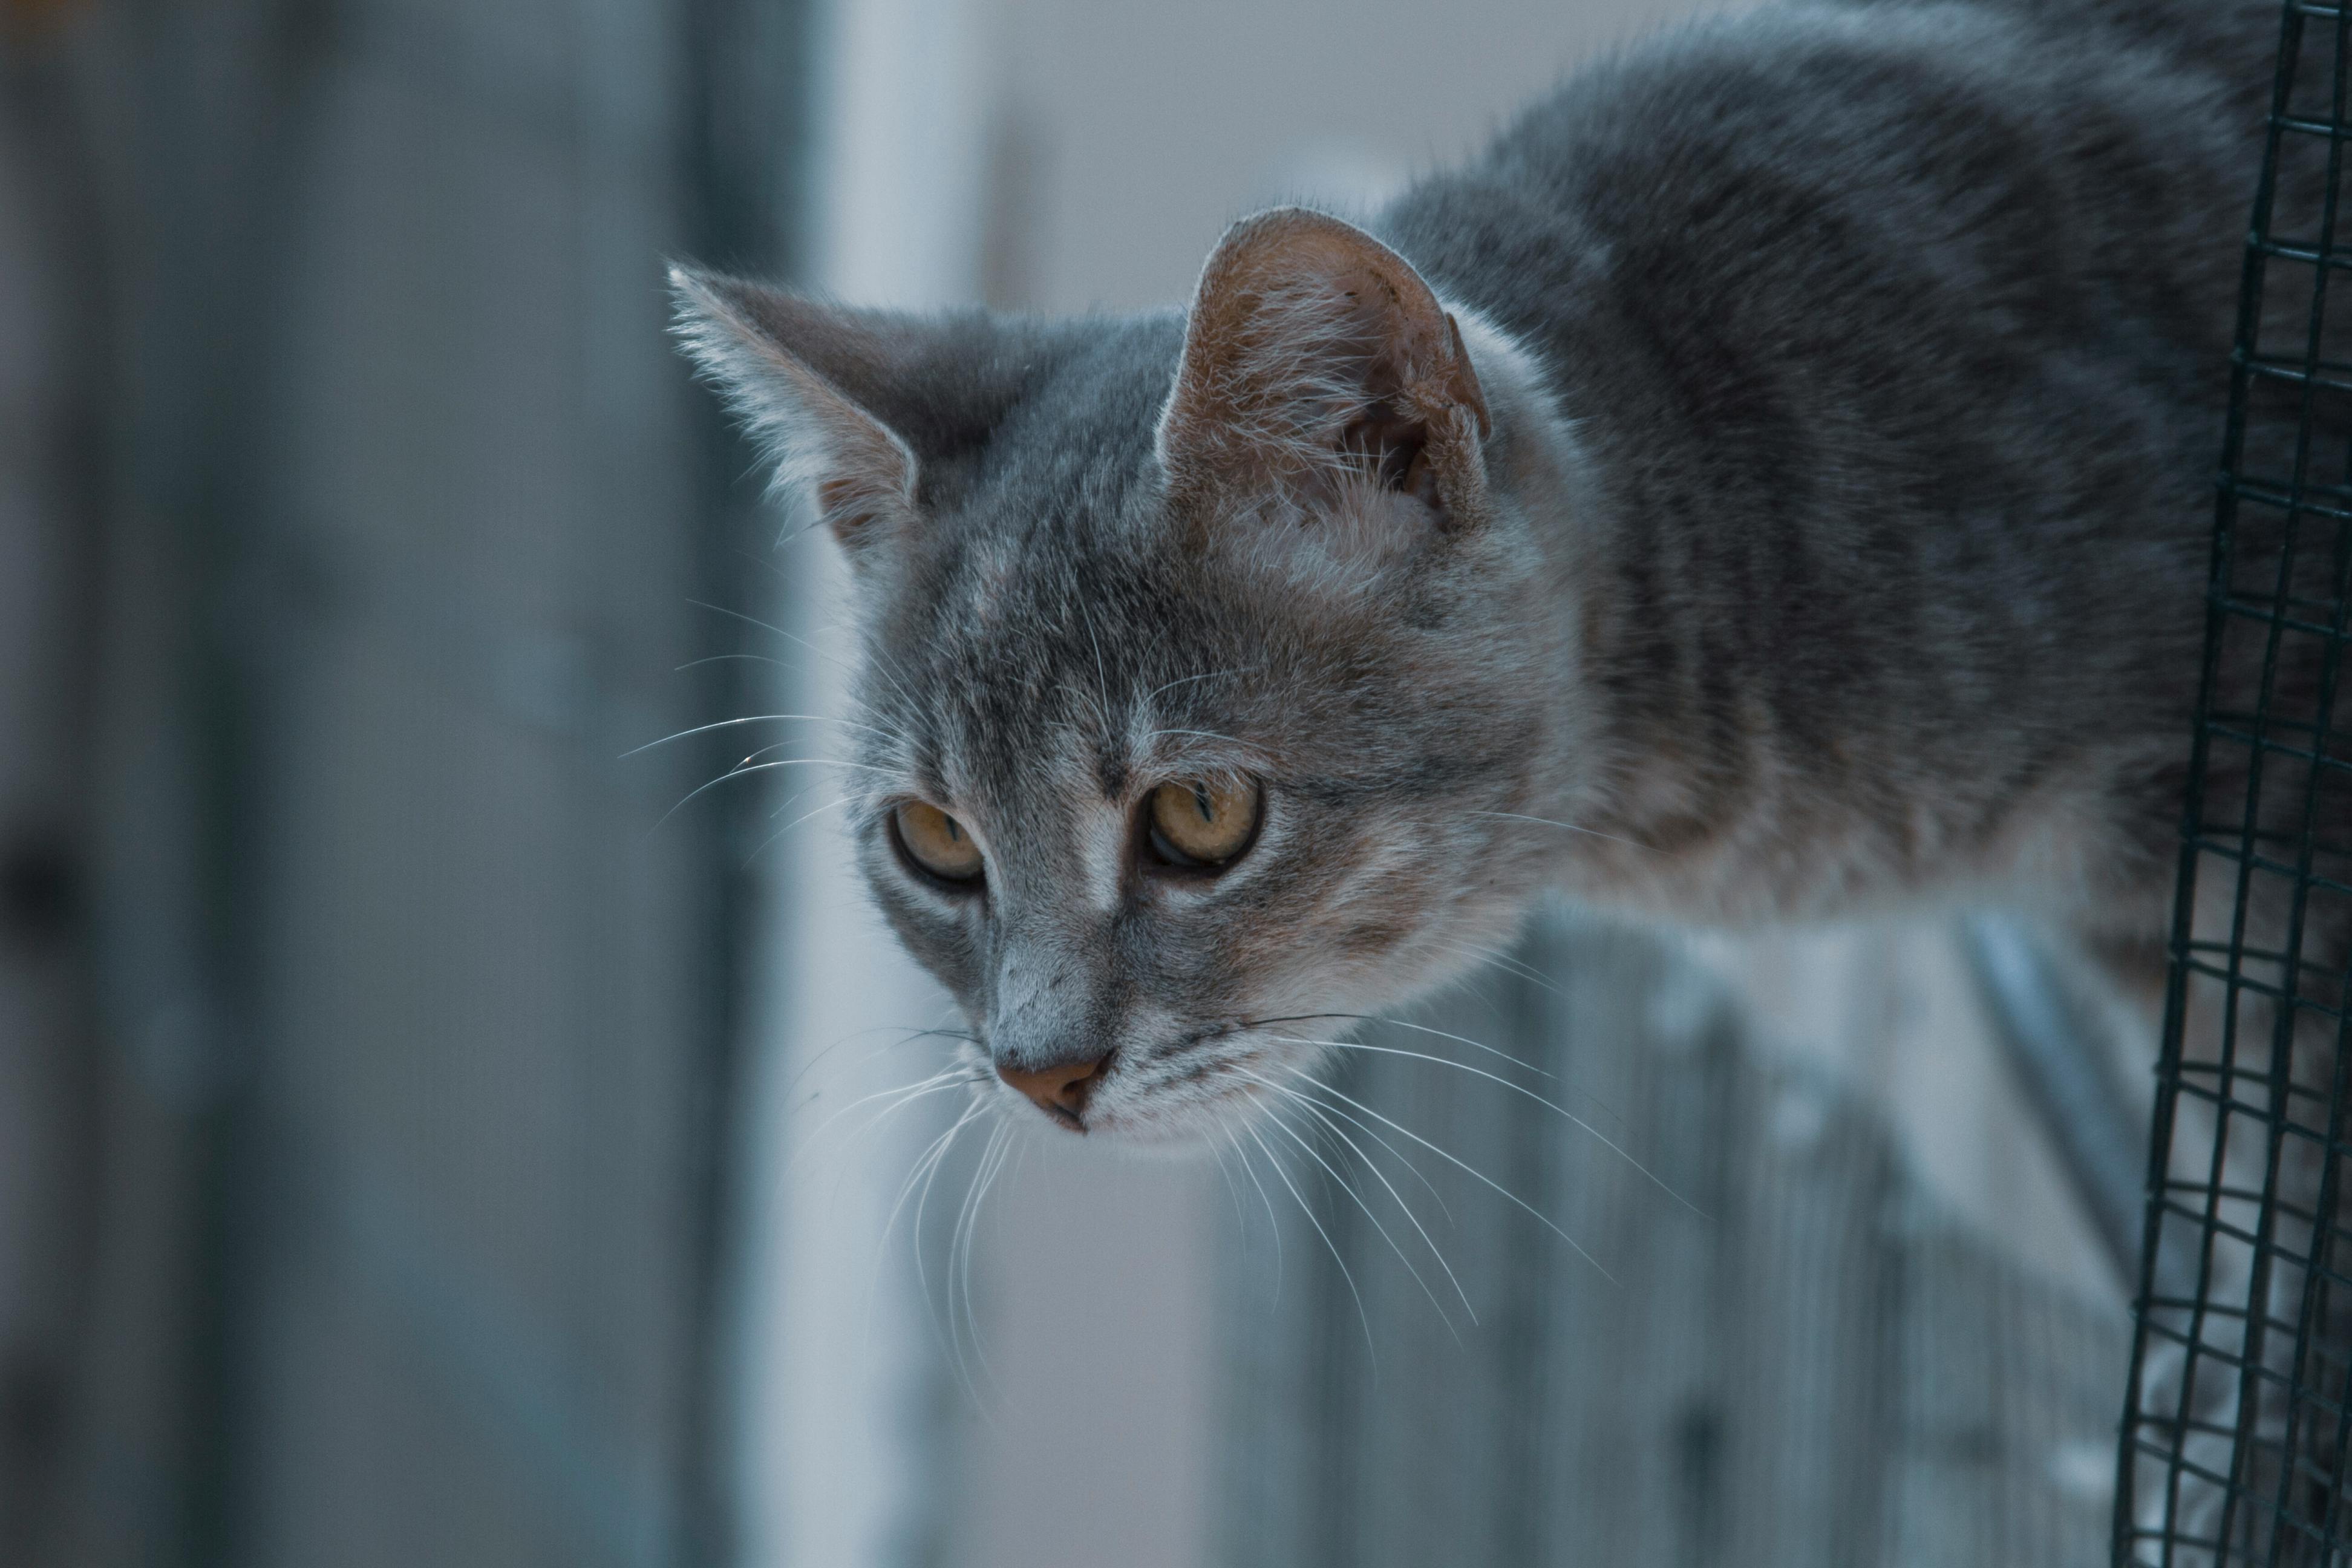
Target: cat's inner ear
[(1316, 357), (788, 365)]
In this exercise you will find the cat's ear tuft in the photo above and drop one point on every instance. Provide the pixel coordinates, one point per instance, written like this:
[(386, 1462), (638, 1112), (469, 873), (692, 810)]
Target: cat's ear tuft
[(1317, 358), (787, 366)]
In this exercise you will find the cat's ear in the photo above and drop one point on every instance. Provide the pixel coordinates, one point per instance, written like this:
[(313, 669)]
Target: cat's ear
[(764, 349), (849, 403), (1316, 355)]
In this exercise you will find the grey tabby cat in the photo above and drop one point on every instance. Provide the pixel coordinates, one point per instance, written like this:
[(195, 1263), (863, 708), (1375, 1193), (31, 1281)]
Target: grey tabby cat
[(1771, 481)]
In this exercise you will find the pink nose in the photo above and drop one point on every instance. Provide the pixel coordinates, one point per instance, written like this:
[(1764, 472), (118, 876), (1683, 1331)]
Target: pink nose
[(1059, 1092)]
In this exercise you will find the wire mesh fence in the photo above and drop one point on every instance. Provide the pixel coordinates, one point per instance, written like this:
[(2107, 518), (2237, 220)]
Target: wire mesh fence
[(2238, 1421)]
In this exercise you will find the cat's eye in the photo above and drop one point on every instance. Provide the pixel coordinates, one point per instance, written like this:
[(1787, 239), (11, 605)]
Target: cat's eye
[(1203, 822), (936, 841)]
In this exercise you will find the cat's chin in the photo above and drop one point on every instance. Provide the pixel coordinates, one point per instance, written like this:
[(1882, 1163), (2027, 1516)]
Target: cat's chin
[(1165, 1132), (1180, 1132)]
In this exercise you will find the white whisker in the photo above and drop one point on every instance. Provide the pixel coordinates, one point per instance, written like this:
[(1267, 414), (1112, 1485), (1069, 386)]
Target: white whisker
[(833, 804), (922, 1270), (944, 1079), (1502, 960), (1401, 1024), (722, 658), (758, 719), (1273, 1222), (907, 1036), (1450, 1159), (1232, 1189), (740, 771), (1571, 827), (967, 1230), (1350, 1189), (1560, 1111), (926, 1161), (1398, 1155), (1282, 1175)]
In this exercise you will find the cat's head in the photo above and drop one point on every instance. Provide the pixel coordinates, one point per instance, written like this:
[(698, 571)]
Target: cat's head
[(1211, 669)]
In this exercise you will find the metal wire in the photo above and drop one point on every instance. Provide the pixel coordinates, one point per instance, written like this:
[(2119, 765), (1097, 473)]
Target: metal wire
[(2237, 1419)]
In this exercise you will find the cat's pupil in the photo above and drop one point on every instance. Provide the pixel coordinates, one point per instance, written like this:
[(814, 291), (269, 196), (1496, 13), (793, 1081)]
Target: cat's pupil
[(1201, 800)]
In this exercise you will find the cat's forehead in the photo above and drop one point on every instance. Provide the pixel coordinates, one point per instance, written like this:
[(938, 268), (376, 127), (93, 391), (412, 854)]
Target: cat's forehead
[(1071, 468), (1067, 664), (1059, 623), (1056, 651), (1051, 553)]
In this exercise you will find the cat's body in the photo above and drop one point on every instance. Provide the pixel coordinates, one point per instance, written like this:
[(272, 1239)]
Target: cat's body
[(1894, 340), (1773, 481)]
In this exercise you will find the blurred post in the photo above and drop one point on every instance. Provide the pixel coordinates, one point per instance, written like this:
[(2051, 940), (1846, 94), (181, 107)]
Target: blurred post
[(377, 1210)]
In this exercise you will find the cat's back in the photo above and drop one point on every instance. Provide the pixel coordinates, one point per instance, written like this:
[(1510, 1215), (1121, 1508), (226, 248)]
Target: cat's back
[(1896, 336), (1848, 299), (1802, 175)]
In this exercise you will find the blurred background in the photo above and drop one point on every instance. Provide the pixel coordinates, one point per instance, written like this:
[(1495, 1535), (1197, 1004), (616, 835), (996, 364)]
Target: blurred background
[(436, 1128)]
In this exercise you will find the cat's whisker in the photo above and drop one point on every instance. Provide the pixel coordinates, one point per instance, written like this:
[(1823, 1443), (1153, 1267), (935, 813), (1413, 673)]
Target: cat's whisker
[(1273, 1224), (932, 1153), (905, 1095), (1398, 1154), (1515, 1061), (906, 1037), (1560, 1111), (788, 801), (1502, 960), (1015, 1147), (1434, 1251), (758, 559), (833, 804), (758, 719), (1364, 1317), (970, 1221), (1573, 827), (922, 1269), (1232, 1190), (872, 1130), (960, 1250), (1356, 1197), (722, 658), (939, 1079), (754, 755), (1401, 1024), (754, 620), (742, 771), (1326, 1115), (880, 659), (1546, 1220)]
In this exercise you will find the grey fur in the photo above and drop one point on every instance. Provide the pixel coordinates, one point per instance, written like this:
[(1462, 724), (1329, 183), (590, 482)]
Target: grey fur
[(1855, 374)]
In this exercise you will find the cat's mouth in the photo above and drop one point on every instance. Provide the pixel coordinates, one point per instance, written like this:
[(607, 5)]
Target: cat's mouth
[(1180, 1093)]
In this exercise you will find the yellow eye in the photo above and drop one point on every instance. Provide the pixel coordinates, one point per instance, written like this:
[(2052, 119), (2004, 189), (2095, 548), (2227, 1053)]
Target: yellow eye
[(1202, 822), (937, 841)]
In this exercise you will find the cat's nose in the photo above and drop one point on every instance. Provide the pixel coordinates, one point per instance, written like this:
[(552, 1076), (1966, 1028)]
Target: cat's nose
[(1060, 1090)]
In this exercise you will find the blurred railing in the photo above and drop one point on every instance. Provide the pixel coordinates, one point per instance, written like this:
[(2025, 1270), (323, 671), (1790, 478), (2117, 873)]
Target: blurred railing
[(1756, 1337)]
